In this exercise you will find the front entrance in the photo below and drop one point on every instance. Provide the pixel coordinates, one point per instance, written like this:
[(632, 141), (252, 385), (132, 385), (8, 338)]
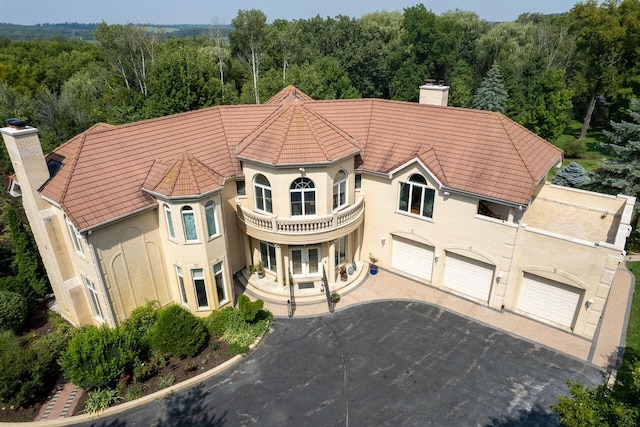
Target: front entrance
[(305, 261)]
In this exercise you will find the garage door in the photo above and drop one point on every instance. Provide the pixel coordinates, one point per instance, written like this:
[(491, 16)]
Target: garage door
[(549, 300), (468, 276), (413, 258)]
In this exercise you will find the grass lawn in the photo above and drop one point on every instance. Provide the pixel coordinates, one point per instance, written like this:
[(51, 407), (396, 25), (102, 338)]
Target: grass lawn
[(591, 159), (633, 331)]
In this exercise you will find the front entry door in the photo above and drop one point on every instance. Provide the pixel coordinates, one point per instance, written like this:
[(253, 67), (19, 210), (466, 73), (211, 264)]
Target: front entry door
[(305, 261)]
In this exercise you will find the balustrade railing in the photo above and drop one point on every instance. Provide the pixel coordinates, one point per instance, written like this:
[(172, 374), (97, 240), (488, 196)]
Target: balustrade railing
[(301, 225)]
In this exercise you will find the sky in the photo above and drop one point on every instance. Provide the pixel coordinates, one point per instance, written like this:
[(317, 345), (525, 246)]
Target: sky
[(29, 12)]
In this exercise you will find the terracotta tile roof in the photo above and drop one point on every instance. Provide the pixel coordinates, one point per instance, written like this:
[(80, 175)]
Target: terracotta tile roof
[(182, 177), (288, 94), (106, 168), (297, 135)]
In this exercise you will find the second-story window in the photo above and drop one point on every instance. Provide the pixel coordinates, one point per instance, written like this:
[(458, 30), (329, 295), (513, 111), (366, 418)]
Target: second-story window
[(210, 214), (262, 190), (303, 197), (415, 197), (340, 190), (189, 224), (168, 218), (75, 237)]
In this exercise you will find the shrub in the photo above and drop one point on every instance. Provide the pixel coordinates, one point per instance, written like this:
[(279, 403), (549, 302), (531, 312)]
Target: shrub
[(575, 148), (165, 381), (98, 357), (241, 332), (142, 371), (178, 332), (249, 309), (134, 392), (235, 348), (572, 175), (216, 322), (13, 310), (101, 399), (140, 323)]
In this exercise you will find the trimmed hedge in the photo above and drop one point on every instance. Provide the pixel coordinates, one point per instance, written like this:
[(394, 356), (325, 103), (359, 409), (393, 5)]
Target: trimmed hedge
[(99, 357), (178, 332), (216, 322), (249, 309)]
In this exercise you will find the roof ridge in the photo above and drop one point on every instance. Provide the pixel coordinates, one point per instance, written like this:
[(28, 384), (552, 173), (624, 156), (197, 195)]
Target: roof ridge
[(283, 134), (313, 129), (72, 166), (212, 173), (516, 147)]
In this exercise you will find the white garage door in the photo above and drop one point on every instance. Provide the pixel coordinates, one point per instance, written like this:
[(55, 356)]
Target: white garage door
[(549, 300), (412, 258), (468, 276)]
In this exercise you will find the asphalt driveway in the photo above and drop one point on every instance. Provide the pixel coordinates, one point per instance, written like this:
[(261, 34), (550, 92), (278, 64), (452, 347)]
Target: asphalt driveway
[(386, 363)]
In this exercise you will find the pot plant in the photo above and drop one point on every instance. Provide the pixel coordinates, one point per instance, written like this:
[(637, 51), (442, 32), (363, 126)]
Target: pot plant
[(343, 273), (373, 268), (335, 297), (260, 270)]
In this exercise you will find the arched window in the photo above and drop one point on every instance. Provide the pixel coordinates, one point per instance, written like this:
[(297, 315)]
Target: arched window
[(262, 190), (303, 197), (340, 190), (189, 224), (415, 197), (210, 214)]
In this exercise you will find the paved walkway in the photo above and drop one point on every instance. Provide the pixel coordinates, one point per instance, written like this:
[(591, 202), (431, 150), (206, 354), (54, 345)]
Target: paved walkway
[(604, 352)]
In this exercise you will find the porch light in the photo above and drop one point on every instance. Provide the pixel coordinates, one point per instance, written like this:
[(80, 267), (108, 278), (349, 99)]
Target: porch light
[(589, 303)]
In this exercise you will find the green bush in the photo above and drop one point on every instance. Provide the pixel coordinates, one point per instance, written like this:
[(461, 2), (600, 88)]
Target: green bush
[(28, 374), (216, 322), (235, 348), (101, 399), (574, 149), (140, 323), (142, 371), (13, 310), (98, 357), (178, 332), (241, 332), (249, 309)]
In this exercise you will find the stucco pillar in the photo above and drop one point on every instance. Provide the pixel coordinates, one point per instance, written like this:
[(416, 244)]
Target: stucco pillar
[(332, 262), (247, 250), (357, 247), (280, 267)]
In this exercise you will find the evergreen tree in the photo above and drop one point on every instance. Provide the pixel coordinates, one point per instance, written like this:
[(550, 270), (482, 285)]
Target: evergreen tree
[(621, 175), (491, 94), (30, 279), (573, 175)]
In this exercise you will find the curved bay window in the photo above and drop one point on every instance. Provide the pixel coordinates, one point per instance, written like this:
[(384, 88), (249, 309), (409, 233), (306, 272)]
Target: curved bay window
[(262, 190), (340, 190), (415, 197), (303, 197)]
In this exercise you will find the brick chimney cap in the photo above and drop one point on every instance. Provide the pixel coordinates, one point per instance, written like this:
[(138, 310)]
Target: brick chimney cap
[(18, 123)]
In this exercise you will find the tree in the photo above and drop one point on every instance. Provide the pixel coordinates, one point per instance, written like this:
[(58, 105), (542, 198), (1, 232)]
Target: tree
[(218, 36), (247, 41), (491, 94), (621, 175), (30, 278), (573, 175), (599, 49)]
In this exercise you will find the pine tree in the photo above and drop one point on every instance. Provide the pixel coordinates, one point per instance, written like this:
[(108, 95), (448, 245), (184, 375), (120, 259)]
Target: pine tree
[(621, 175), (573, 175), (491, 94)]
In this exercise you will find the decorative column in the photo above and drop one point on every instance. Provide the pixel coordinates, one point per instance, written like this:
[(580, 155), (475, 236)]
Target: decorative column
[(248, 260), (280, 267), (332, 262), (357, 244)]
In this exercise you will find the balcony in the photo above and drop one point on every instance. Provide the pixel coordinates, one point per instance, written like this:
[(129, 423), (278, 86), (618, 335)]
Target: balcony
[(301, 230)]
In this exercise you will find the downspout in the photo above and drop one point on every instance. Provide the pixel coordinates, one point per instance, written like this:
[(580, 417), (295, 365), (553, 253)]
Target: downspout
[(103, 287), (511, 274)]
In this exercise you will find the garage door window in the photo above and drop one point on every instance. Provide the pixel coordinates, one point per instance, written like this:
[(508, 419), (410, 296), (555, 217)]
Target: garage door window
[(415, 197)]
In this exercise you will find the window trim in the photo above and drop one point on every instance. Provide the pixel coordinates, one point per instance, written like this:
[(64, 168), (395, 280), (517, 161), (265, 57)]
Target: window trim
[(269, 263), (168, 216), (358, 181), (204, 288), (241, 190), (181, 288), (94, 299), (263, 189), (309, 188), (210, 210), (184, 212), (425, 191), (223, 288), (75, 237), (342, 242), (344, 184)]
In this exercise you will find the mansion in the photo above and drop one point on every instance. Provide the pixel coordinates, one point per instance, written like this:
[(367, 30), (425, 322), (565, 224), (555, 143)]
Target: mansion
[(170, 209)]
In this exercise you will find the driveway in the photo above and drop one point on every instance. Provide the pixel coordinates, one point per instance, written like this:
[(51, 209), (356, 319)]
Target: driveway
[(386, 363)]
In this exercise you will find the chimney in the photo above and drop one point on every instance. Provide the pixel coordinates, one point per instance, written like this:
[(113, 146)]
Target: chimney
[(433, 94), (27, 158)]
